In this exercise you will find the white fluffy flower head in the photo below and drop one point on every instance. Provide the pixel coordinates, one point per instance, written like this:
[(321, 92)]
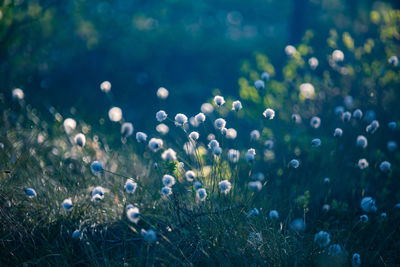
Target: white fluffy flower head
[(219, 100), (115, 114), (105, 86), (180, 119), (269, 113), (236, 105), (155, 144), (169, 155), (162, 93)]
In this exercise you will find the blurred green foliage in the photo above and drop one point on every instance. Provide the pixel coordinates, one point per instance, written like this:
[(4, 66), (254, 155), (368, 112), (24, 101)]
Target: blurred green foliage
[(57, 49)]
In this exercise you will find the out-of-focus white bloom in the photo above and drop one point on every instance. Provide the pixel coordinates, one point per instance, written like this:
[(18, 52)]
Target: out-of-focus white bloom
[(313, 62), (337, 55), (40, 139), (194, 122), (290, 50), (259, 176), (197, 185), (166, 191), (105, 86), (357, 114), (253, 212), (362, 141), (200, 118), (364, 218), (189, 148), (362, 164), (348, 102), (168, 180), (294, 163), (201, 194), (356, 260), (212, 144), (315, 122), (368, 204), (237, 105), (346, 116), (391, 146), (180, 119), (130, 186), (126, 129), (269, 155), (67, 204), (169, 155), (296, 118), (162, 93), (69, 125), (98, 191), (371, 128), (250, 155), (190, 176), (96, 198), (316, 142), (384, 166), (194, 136), (77, 234), (269, 144), (161, 115), (218, 100), (274, 215), (17, 94), (115, 114), (96, 167), (370, 116), (133, 215), (155, 144), (254, 135), (30, 192), (392, 125), (255, 186), (334, 250), (265, 76), (231, 133), (339, 110), (259, 85), (224, 186), (207, 108), (322, 239), (162, 128), (219, 123), (269, 113), (307, 90), (338, 132), (141, 137), (298, 225), (393, 60), (150, 236), (80, 139), (233, 155)]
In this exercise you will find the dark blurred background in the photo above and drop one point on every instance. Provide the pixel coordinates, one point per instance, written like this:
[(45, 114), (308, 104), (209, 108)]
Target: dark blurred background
[(59, 52)]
